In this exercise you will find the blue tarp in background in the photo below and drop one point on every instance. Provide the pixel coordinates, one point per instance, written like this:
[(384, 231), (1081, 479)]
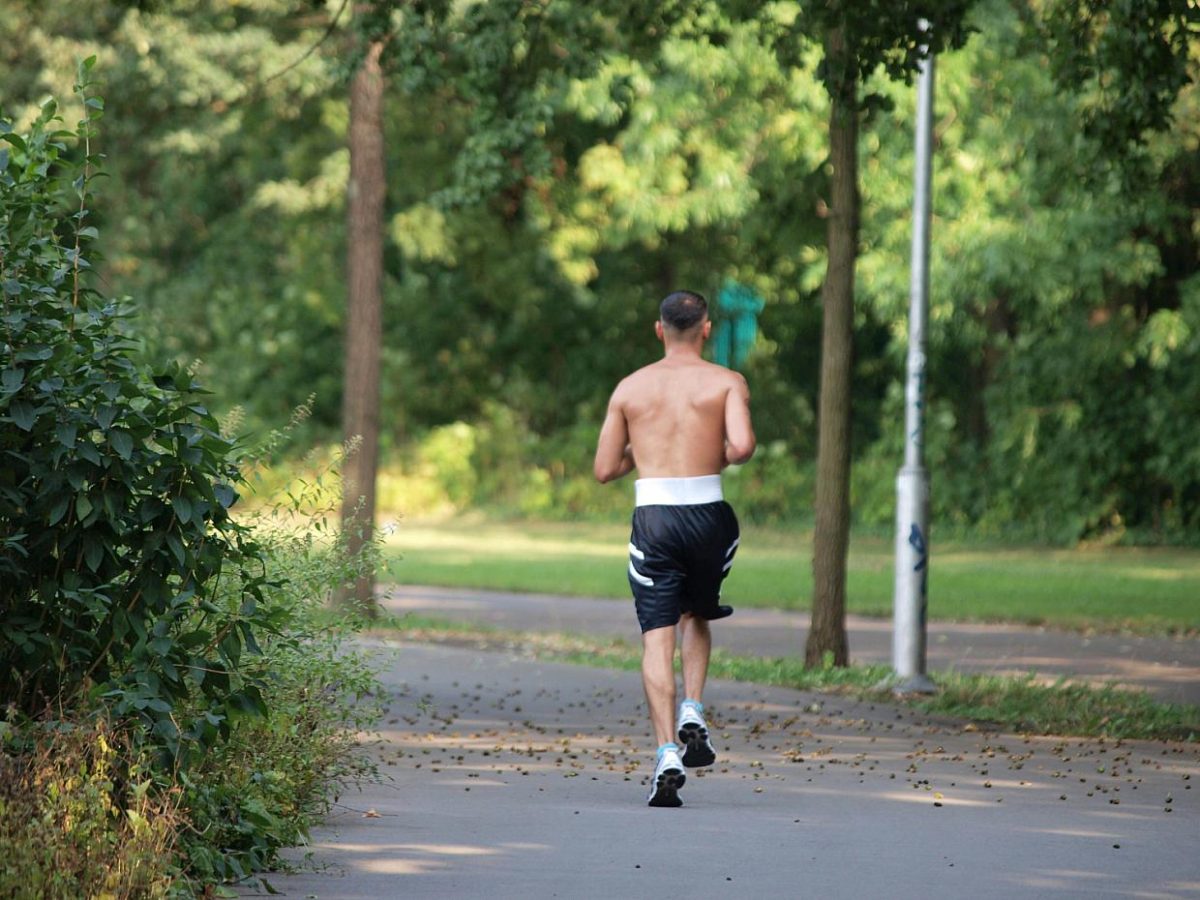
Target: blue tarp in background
[(736, 326)]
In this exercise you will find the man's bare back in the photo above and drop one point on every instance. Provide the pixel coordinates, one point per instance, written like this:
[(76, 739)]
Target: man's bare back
[(678, 417), (678, 412)]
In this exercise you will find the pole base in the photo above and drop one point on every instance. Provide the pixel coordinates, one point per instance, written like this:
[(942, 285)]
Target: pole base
[(913, 684)]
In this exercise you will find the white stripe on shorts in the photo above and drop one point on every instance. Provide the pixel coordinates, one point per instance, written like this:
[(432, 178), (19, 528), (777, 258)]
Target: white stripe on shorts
[(639, 577)]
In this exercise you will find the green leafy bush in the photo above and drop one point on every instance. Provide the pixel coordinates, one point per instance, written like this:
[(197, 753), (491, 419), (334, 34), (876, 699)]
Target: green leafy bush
[(220, 705), (116, 485), (84, 812)]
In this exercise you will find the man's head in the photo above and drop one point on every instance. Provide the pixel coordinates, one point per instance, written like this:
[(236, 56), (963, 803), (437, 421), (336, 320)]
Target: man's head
[(683, 315)]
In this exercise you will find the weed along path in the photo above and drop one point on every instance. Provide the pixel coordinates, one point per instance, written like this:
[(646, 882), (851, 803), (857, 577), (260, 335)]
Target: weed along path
[(509, 777), (1167, 667)]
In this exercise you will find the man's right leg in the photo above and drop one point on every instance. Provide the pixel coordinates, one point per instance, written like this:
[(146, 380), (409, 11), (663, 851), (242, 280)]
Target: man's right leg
[(658, 678)]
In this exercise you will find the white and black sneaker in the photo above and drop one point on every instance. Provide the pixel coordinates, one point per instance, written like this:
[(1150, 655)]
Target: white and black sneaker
[(668, 779), (693, 736)]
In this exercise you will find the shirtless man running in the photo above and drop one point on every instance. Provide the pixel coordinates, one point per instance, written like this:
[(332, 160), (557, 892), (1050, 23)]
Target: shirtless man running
[(679, 422)]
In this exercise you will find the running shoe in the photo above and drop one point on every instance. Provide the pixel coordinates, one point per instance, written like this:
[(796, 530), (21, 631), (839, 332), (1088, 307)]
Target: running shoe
[(693, 737), (668, 779)]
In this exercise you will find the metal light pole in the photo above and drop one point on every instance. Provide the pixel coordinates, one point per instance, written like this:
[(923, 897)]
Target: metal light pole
[(912, 484)]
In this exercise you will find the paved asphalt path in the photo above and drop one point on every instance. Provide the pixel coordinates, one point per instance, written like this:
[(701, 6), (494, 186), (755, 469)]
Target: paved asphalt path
[(509, 777), (1167, 667)]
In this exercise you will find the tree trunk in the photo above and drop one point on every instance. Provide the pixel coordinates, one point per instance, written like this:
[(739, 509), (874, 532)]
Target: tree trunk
[(364, 304), (827, 634), (997, 321)]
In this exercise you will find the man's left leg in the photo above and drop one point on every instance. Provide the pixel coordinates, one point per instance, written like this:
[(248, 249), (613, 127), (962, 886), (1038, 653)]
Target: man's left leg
[(692, 731), (695, 649)]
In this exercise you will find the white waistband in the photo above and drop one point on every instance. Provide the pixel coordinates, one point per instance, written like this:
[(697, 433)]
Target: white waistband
[(678, 491)]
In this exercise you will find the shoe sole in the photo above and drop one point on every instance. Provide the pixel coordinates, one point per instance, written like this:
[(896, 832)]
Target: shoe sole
[(697, 752), (666, 789)]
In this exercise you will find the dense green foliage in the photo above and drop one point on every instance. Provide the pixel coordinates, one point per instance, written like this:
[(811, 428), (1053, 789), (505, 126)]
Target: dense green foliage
[(174, 704), (116, 485), (1065, 322)]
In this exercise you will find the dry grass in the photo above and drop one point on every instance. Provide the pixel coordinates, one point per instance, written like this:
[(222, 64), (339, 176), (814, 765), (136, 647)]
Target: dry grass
[(78, 819)]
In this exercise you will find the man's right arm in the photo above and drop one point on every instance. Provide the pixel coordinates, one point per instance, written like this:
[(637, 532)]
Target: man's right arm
[(614, 457), (739, 432)]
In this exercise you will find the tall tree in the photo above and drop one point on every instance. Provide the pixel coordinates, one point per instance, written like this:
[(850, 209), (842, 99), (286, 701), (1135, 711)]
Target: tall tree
[(858, 39), (364, 317), (831, 537)]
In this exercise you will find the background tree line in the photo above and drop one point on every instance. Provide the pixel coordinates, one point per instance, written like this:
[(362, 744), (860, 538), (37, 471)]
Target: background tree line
[(1065, 322)]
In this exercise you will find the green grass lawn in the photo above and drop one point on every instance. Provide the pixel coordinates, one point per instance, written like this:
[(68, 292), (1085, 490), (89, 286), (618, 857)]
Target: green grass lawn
[(1146, 590)]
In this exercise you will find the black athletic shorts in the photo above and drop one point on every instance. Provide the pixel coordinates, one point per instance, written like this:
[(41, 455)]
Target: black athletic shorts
[(678, 557)]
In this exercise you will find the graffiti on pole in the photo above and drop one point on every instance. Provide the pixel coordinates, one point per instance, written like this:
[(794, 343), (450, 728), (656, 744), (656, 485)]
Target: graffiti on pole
[(916, 402), (916, 540)]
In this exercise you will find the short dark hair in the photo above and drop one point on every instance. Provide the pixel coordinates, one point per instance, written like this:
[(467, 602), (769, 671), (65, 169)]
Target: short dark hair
[(682, 310)]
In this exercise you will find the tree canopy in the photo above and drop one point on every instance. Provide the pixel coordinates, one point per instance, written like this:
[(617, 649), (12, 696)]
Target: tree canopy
[(521, 277)]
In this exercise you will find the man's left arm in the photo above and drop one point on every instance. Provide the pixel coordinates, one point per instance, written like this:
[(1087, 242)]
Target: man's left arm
[(739, 432)]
